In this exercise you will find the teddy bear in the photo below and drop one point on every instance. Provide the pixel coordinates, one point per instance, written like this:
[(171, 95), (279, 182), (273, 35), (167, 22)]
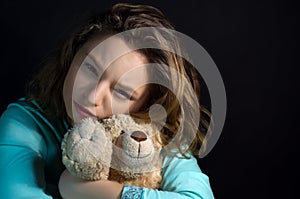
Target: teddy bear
[(117, 148)]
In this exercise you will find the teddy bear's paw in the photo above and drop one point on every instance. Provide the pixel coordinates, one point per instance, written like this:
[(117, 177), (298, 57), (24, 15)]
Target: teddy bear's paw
[(91, 171), (87, 148)]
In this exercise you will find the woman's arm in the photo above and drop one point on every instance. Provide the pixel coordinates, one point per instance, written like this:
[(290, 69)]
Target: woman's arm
[(22, 166), (182, 178), (71, 187), (22, 174)]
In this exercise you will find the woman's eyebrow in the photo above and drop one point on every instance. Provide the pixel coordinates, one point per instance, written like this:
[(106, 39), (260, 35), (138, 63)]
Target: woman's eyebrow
[(93, 59)]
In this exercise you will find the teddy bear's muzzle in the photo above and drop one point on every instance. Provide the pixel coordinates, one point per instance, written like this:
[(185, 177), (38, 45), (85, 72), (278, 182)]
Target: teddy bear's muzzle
[(134, 151)]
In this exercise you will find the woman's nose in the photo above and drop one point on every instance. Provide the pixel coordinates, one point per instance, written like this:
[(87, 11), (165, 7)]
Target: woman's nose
[(102, 99), (101, 93)]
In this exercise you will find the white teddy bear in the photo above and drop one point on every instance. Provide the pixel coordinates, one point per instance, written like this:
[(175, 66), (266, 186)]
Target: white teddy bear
[(116, 148)]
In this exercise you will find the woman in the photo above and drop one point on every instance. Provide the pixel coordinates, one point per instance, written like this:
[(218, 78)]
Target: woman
[(79, 82)]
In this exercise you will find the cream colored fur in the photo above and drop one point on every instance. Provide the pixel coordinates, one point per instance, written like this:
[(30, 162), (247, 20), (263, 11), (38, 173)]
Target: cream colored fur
[(96, 150)]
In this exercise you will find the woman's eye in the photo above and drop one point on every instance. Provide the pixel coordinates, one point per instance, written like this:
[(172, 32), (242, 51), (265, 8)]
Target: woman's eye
[(91, 68), (123, 94)]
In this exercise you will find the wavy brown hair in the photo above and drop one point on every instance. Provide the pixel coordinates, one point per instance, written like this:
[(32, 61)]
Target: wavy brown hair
[(47, 85)]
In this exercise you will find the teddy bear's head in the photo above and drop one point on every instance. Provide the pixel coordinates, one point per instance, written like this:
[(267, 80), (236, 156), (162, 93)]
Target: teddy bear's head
[(91, 149), (137, 147)]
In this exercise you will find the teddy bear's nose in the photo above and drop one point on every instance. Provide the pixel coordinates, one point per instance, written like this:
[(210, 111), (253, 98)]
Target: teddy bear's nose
[(139, 136)]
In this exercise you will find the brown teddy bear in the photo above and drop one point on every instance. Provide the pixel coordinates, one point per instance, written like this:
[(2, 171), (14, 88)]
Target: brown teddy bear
[(115, 148)]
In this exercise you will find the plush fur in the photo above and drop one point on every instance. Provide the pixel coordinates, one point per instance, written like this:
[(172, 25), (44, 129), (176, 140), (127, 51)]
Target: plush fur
[(110, 149)]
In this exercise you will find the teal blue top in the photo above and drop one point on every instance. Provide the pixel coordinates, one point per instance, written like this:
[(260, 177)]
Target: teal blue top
[(30, 160)]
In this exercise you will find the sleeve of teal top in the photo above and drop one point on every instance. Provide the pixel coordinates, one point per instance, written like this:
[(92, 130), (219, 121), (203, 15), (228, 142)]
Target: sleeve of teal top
[(182, 179), (21, 156)]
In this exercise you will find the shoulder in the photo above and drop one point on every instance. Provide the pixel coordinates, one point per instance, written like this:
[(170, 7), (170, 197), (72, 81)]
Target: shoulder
[(19, 126), (18, 113)]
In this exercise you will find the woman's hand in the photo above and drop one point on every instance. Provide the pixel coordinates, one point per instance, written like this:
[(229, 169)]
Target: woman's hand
[(76, 188)]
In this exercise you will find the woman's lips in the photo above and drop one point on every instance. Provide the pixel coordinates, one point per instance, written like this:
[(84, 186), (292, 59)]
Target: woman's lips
[(83, 111)]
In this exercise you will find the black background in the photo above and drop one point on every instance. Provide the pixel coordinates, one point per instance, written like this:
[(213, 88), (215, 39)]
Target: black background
[(253, 43)]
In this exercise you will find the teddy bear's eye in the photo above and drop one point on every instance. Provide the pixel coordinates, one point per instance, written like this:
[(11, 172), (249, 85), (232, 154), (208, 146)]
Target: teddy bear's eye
[(122, 132)]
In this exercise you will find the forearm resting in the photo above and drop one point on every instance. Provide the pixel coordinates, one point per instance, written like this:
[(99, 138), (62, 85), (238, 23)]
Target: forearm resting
[(76, 188)]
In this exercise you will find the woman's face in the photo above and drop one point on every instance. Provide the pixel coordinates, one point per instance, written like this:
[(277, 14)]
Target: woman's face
[(99, 85)]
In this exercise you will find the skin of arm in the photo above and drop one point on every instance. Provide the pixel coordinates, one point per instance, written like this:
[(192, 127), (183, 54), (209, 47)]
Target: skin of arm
[(76, 188)]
